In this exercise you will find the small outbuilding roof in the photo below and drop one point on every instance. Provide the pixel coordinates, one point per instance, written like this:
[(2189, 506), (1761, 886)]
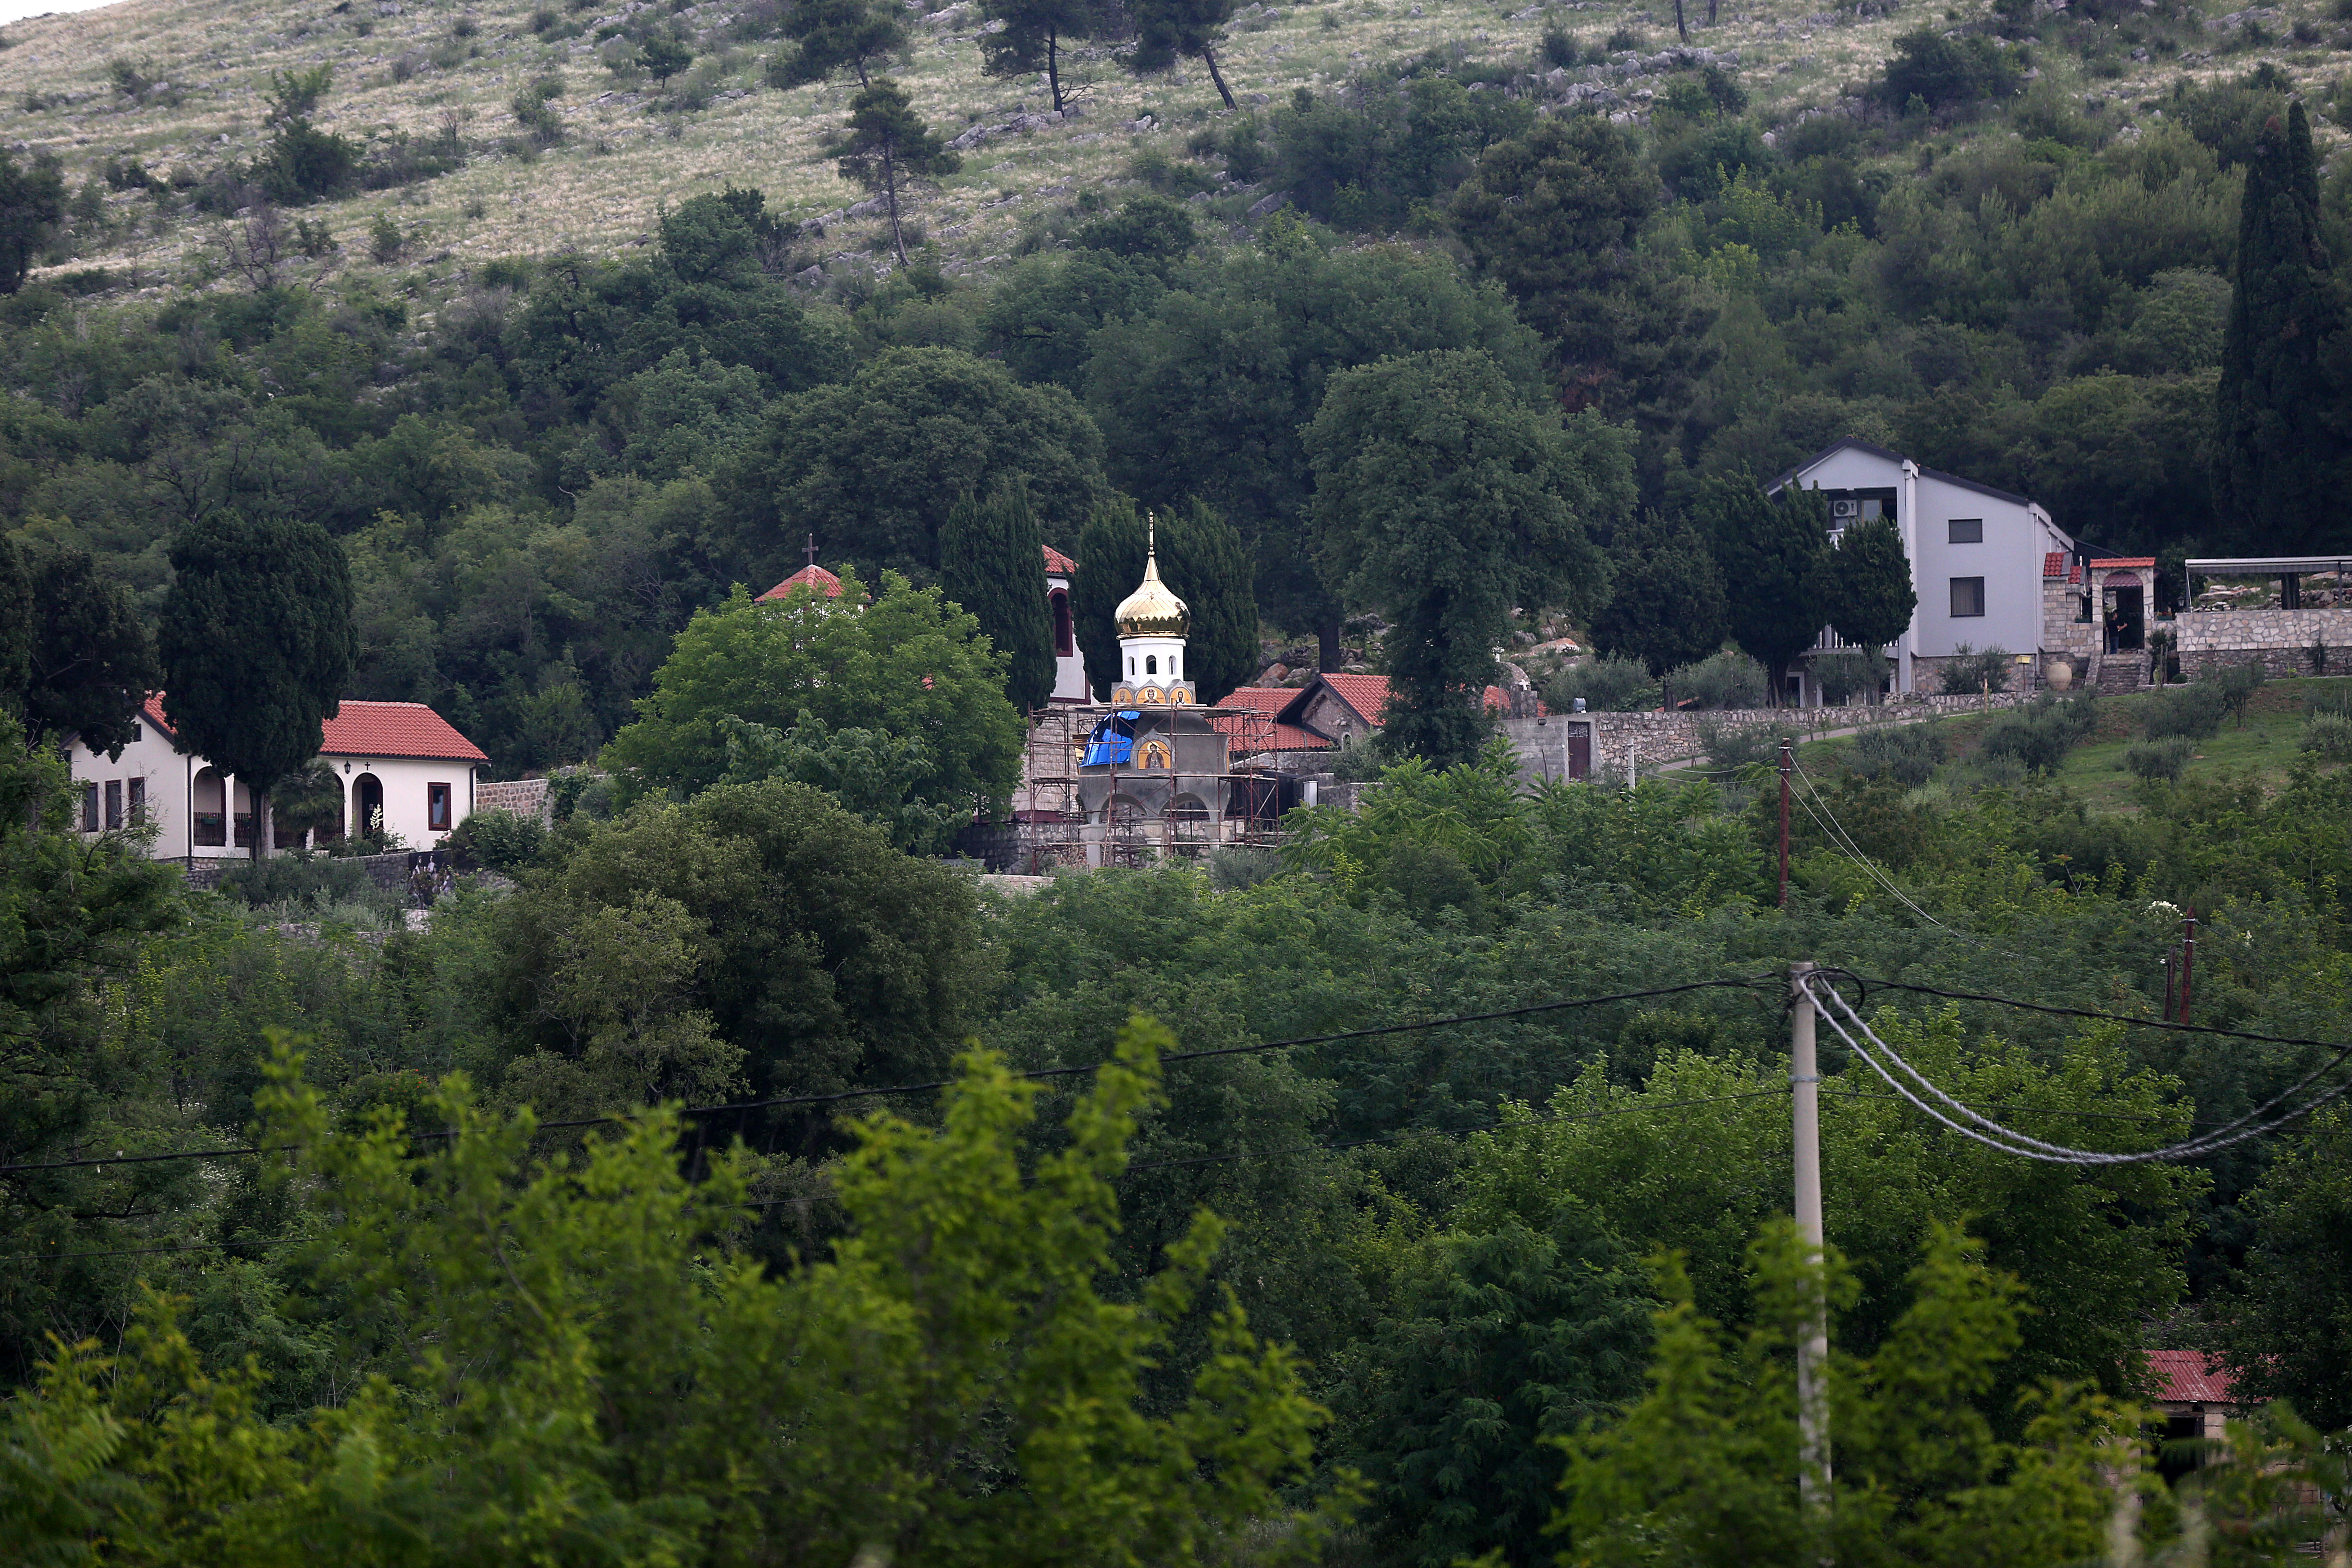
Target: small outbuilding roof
[(2189, 1377), (1058, 564)]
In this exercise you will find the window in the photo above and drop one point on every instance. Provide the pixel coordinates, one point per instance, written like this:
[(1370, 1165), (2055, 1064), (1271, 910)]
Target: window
[(89, 808), (1964, 530), (137, 803), (1967, 596), (1064, 635), (437, 809), (1151, 664), (114, 805)]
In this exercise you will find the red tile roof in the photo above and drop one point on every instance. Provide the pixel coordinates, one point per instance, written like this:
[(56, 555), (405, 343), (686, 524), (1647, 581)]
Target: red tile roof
[(366, 729), (2121, 562), (1259, 699), (825, 582), (2053, 564), (1256, 732), (1369, 695), (1058, 564), (2189, 1377)]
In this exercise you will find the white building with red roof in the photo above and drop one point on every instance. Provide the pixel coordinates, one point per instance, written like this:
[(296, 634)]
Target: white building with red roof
[(402, 769)]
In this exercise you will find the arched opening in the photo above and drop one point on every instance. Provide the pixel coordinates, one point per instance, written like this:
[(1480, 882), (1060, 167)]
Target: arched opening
[(367, 806), (1188, 823), (1151, 664), (1065, 635), (208, 810)]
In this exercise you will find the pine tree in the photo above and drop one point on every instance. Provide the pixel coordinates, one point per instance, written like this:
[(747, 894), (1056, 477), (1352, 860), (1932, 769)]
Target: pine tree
[(1207, 565), (1167, 30), (2282, 464), (837, 35), (1769, 551), (1032, 37), (1866, 585), (256, 643), (1110, 564), (886, 147), (992, 562), (1665, 604)]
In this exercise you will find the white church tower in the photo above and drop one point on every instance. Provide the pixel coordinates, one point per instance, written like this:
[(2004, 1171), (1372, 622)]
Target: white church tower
[(1152, 624)]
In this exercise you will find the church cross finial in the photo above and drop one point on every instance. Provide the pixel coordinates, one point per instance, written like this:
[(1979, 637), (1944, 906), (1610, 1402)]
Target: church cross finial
[(810, 552)]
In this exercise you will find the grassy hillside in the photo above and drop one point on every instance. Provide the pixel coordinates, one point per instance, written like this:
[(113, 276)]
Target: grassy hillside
[(198, 74)]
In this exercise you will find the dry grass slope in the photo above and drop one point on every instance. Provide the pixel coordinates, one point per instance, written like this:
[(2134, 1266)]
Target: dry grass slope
[(405, 67)]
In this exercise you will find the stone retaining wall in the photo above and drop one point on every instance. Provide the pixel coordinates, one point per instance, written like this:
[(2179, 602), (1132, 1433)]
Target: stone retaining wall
[(1656, 738), (2283, 642), (423, 874)]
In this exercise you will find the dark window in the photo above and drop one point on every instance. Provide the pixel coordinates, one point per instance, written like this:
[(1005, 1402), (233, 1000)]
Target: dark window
[(137, 803), (1965, 531), (1967, 596), (89, 808), (114, 805), (1064, 639), (437, 809), (1151, 664)]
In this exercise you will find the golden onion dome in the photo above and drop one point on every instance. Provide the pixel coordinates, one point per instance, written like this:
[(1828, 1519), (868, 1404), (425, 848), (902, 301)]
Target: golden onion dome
[(1151, 611)]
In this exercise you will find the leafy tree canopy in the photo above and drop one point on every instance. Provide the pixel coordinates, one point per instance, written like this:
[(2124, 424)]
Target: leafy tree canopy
[(1665, 600)]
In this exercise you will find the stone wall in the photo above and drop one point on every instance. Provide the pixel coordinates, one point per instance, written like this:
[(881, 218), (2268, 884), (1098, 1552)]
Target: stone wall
[(1656, 738), (520, 797), (423, 874), (2280, 641)]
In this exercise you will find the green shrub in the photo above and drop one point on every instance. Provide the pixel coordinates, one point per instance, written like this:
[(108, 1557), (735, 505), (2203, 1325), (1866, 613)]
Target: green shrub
[(2167, 759), (307, 887), (2333, 698), (1907, 753), (1740, 745), (1726, 680), (498, 841), (2194, 712), (2038, 735), (1969, 672), (2329, 734), (2237, 684), (1850, 672), (1610, 685)]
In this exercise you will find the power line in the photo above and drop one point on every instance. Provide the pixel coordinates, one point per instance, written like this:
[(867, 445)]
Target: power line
[(1742, 981), (2008, 1140), (2340, 1047)]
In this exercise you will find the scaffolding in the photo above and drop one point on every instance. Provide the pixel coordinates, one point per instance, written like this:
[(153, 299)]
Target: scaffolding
[(1054, 829)]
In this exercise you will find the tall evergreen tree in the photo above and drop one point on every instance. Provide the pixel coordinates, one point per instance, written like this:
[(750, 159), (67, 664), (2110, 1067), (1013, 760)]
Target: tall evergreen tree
[(1032, 37), (1110, 564), (1206, 563), (1167, 30), (838, 35), (992, 562), (92, 662), (1770, 550), (16, 621), (1666, 600), (32, 204), (256, 645), (1866, 588), (2282, 462), (886, 147)]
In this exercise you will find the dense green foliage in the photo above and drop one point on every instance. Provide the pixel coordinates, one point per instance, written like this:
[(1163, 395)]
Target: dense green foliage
[(991, 564)]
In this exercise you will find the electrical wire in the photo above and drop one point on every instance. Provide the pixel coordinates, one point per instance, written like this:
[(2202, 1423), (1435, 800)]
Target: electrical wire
[(1741, 981), (1819, 986), (2337, 1046)]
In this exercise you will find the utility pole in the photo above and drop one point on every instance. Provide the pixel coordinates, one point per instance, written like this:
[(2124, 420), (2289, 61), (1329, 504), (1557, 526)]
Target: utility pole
[(1785, 761), (2188, 959), (1813, 1345)]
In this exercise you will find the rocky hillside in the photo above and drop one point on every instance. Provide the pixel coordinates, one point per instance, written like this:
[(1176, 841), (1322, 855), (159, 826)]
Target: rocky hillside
[(166, 95)]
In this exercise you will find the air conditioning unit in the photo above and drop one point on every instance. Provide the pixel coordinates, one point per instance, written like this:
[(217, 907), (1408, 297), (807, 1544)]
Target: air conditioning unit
[(1845, 509)]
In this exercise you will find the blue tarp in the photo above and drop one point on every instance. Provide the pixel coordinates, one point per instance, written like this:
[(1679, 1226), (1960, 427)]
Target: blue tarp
[(1113, 739)]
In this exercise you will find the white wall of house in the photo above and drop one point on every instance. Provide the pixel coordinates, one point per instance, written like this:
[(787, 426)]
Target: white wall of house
[(1976, 553), (191, 803)]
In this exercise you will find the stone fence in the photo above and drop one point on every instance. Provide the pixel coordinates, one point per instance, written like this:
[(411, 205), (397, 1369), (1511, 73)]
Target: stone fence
[(424, 875), (1655, 739), (2283, 642), (520, 797)]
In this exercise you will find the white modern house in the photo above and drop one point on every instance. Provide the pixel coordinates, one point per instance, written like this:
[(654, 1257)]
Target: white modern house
[(402, 766), (1977, 554)]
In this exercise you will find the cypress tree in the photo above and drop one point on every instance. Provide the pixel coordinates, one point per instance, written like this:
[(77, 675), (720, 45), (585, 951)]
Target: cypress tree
[(1769, 550), (256, 643), (1665, 606), (1866, 585), (1110, 564), (1206, 564), (92, 662), (2282, 465), (992, 562)]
